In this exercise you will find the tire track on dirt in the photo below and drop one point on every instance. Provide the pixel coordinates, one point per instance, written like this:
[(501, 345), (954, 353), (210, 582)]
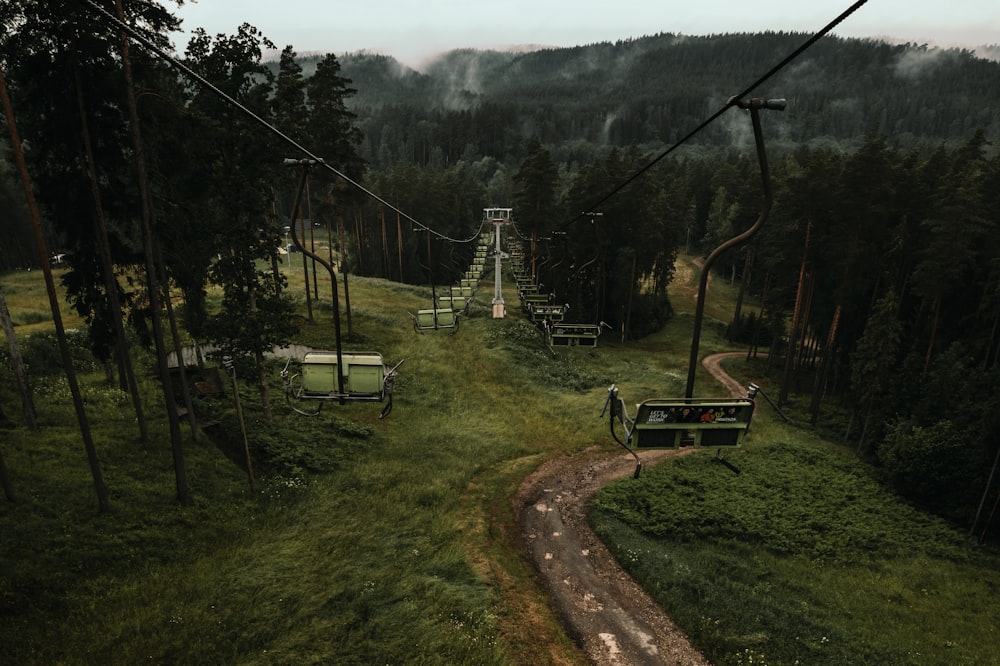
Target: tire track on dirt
[(603, 609)]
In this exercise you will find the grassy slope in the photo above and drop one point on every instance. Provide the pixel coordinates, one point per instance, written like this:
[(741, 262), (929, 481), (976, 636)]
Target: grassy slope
[(401, 550), (804, 558)]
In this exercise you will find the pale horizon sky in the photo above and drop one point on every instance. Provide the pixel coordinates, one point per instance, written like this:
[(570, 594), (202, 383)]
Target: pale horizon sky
[(414, 32)]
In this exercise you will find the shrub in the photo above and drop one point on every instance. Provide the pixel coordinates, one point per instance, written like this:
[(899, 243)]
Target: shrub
[(933, 465), (42, 356)]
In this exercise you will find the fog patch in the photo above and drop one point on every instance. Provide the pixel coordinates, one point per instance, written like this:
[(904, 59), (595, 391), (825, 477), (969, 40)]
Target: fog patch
[(609, 121), (991, 52), (462, 76), (805, 74), (737, 126), (917, 62)]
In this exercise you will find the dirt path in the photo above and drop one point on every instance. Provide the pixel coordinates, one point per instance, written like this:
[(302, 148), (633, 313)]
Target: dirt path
[(713, 364), (603, 609)]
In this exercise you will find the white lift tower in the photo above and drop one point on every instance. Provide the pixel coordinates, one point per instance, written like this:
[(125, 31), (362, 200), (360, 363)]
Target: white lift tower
[(499, 217)]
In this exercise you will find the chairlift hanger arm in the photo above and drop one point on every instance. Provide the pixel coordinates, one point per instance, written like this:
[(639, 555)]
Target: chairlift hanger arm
[(306, 163), (620, 413), (754, 105)]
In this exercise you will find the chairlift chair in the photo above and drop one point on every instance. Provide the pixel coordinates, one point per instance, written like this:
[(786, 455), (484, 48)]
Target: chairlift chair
[(531, 299), (575, 335), (526, 289), (366, 378), (670, 423), (547, 312), (435, 319), (459, 304)]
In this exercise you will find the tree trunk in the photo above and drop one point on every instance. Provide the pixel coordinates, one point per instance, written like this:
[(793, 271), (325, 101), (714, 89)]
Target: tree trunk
[(359, 237), (343, 271), (385, 249), (760, 319), (5, 482), (329, 244), (265, 394), (312, 240), (805, 347), (935, 312), (243, 430), (399, 245), (265, 391), (819, 388), (631, 290), (305, 273), (199, 357), (274, 255), (850, 426), (989, 520), (737, 326), (986, 492), (178, 351), (107, 268), (176, 445), (864, 428), (988, 356), (43, 255), (794, 332), (23, 387)]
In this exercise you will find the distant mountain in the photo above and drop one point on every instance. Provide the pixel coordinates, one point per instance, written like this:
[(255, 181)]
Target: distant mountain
[(654, 90)]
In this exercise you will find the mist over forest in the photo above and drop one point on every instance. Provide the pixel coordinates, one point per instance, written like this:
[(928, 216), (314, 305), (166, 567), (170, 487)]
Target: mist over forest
[(652, 91)]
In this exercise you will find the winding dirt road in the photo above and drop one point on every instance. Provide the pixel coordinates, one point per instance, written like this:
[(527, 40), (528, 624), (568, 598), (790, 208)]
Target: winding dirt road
[(604, 610)]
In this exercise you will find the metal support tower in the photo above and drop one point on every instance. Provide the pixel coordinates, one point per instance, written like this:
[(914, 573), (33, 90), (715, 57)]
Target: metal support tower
[(498, 306)]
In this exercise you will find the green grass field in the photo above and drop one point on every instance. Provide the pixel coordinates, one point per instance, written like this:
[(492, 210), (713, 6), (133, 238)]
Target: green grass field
[(393, 541)]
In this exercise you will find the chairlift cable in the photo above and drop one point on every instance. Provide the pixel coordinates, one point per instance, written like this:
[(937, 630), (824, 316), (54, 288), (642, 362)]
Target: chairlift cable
[(309, 155), (732, 101)]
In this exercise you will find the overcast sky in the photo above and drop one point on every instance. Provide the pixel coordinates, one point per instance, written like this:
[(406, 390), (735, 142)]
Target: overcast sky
[(415, 30)]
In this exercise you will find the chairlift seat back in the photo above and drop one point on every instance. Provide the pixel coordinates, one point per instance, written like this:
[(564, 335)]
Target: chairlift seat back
[(553, 313), (453, 302), (446, 318), (707, 422), (574, 335), (364, 373)]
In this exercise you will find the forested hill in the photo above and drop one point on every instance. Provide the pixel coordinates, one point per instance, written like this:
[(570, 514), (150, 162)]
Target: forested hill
[(653, 90)]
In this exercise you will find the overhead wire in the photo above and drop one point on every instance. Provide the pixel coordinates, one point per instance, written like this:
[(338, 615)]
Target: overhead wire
[(732, 101), (309, 155)]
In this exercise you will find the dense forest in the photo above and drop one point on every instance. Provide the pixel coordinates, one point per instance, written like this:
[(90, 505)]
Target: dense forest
[(878, 269), (652, 91)]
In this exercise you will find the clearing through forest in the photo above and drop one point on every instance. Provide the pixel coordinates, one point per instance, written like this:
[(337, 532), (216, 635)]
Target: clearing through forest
[(603, 609)]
